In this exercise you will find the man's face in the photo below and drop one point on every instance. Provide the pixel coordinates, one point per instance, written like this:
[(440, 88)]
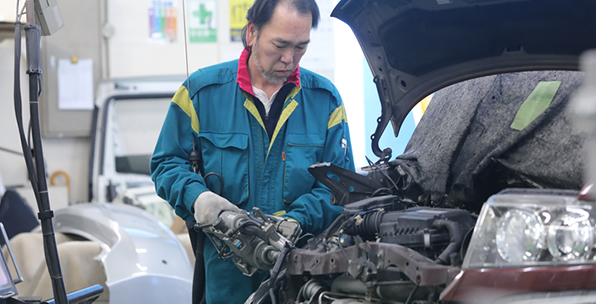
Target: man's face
[(278, 48)]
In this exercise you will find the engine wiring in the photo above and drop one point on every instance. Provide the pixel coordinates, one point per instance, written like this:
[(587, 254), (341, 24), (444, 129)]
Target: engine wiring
[(411, 295), (274, 273), (376, 166), (223, 251)]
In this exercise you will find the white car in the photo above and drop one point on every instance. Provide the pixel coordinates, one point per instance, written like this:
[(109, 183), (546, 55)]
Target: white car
[(122, 238)]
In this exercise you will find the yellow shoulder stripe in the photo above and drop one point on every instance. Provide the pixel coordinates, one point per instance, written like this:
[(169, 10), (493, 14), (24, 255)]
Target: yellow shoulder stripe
[(250, 106), (337, 117), (183, 101), (293, 93)]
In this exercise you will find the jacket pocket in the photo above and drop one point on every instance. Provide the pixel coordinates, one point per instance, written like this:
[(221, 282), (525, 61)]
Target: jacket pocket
[(226, 156), (300, 152)]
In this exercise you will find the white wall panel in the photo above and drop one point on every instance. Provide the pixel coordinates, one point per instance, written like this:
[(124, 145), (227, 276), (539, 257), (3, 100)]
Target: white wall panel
[(128, 51)]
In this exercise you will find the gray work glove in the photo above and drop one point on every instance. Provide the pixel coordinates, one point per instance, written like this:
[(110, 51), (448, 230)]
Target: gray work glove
[(209, 205)]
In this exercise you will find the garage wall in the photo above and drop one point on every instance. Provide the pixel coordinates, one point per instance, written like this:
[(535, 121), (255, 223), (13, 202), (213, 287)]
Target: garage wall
[(126, 50), (131, 52), (67, 154)]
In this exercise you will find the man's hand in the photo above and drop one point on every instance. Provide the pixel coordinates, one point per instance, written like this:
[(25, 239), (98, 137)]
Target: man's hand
[(209, 205)]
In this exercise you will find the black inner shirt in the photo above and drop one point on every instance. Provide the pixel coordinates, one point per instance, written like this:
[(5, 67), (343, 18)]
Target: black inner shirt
[(270, 120)]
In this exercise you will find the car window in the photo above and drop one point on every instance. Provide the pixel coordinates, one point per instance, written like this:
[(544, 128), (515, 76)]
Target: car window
[(136, 126)]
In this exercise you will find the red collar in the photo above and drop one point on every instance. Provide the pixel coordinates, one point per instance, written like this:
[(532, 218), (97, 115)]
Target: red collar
[(244, 78)]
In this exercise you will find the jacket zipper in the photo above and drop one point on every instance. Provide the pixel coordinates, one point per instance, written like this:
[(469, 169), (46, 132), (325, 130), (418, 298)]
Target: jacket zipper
[(303, 145)]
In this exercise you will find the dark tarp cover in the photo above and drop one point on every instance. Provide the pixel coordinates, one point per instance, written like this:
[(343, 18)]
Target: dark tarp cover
[(464, 148)]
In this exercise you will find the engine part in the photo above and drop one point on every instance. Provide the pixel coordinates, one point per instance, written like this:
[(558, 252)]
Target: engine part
[(435, 232), (347, 186), (253, 241)]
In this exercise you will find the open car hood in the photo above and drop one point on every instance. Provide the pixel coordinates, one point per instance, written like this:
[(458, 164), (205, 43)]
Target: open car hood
[(416, 47)]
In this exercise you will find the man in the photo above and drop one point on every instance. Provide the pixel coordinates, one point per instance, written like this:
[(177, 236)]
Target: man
[(258, 123)]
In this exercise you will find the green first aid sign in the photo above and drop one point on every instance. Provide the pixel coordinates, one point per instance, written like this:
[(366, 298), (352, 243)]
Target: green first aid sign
[(202, 21)]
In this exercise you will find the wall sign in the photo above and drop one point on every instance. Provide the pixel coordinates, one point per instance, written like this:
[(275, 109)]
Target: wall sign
[(163, 19), (202, 21), (238, 9)]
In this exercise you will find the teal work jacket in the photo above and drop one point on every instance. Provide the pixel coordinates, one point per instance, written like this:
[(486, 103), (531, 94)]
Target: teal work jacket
[(222, 122)]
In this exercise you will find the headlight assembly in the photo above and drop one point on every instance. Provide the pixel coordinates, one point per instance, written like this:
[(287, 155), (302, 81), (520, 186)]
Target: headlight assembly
[(532, 228)]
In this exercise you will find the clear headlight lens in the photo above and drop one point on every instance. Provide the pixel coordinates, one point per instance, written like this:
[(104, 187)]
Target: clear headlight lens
[(519, 236), (532, 229), (570, 236)]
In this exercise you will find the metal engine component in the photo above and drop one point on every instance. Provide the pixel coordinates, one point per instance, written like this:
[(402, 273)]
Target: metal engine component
[(378, 255), (434, 232), (253, 241)]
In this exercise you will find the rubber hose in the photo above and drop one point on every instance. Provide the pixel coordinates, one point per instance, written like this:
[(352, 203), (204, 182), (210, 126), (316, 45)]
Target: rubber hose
[(454, 242)]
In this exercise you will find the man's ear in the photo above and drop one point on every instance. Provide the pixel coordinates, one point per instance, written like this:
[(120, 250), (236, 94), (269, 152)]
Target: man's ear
[(251, 34)]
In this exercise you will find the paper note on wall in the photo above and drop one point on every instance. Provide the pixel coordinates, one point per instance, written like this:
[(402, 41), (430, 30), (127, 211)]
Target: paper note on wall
[(75, 84)]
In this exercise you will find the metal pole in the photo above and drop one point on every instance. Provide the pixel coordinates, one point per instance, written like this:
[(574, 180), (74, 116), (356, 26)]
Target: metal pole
[(30, 4)]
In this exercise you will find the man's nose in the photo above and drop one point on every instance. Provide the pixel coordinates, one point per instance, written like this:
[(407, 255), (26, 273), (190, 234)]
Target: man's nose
[(287, 56)]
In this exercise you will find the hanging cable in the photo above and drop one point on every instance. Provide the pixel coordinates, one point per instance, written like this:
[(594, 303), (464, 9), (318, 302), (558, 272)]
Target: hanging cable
[(36, 173), (185, 45), (19, 111)]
